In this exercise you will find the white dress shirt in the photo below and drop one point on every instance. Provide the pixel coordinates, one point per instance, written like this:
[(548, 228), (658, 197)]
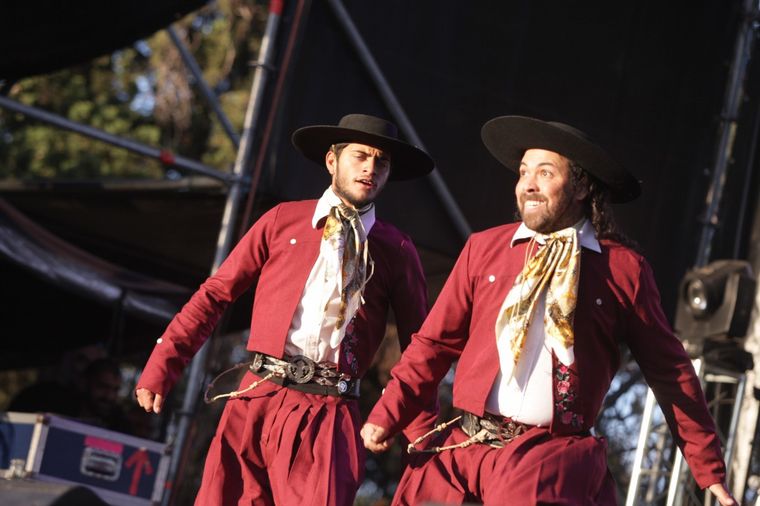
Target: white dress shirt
[(527, 396), (312, 332)]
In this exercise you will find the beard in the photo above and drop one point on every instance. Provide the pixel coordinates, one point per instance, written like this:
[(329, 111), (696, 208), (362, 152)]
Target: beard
[(350, 191), (562, 213), (345, 195)]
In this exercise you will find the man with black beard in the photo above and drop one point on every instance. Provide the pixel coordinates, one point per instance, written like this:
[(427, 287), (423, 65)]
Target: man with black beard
[(534, 312), (326, 271)]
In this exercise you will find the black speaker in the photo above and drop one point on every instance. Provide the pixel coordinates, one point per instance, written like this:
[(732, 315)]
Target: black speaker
[(18, 492)]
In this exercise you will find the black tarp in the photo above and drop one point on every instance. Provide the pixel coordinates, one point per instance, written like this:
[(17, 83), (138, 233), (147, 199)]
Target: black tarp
[(646, 79), (46, 279), (24, 242), (37, 37)]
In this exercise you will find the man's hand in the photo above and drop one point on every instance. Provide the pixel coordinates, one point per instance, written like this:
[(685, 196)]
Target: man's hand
[(375, 438), (149, 401), (720, 491)]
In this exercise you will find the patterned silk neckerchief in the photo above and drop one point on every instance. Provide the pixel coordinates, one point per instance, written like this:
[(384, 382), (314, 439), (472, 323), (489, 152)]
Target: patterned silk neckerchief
[(555, 267), (345, 231)]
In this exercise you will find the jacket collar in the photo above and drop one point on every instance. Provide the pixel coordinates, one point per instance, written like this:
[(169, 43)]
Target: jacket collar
[(586, 235), (328, 200)]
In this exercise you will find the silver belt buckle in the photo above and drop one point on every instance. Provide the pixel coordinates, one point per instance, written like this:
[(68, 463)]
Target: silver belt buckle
[(300, 369)]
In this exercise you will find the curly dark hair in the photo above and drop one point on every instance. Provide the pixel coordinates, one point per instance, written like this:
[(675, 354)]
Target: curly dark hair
[(598, 208)]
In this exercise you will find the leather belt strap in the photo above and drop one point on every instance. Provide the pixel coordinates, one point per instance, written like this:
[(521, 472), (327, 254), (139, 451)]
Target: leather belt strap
[(490, 429), (493, 430), (305, 375), (500, 430)]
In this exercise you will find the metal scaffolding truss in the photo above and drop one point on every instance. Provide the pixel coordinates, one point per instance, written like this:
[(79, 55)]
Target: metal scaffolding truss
[(660, 475)]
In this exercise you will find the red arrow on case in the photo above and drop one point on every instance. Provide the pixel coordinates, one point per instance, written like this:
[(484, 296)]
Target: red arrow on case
[(141, 462)]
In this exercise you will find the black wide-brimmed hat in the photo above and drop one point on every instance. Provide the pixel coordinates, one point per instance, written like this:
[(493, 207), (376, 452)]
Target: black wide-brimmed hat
[(508, 137), (407, 161)]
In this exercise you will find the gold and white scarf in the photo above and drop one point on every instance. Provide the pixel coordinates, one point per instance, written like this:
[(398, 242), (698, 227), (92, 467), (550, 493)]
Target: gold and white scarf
[(344, 230), (556, 268)]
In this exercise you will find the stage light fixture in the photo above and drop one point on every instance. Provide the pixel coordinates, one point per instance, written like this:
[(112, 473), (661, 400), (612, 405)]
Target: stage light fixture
[(715, 301), (697, 297)]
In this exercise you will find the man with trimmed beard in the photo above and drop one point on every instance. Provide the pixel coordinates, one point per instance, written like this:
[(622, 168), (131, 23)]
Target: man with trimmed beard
[(534, 312), (326, 272)]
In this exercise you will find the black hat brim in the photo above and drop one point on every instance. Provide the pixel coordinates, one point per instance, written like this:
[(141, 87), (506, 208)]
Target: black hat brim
[(508, 137), (407, 161)]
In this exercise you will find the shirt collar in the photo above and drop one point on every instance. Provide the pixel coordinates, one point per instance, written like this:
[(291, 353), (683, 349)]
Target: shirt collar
[(328, 200), (586, 235)]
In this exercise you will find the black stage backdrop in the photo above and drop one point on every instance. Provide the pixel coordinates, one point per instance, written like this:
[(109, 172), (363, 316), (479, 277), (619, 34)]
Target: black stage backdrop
[(646, 79)]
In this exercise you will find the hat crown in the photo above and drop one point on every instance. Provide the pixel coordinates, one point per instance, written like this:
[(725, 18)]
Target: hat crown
[(369, 124), (572, 130)]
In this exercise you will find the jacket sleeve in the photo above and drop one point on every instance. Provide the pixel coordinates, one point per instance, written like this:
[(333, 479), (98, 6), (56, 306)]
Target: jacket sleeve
[(410, 306), (190, 328), (669, 372), (427, 359)]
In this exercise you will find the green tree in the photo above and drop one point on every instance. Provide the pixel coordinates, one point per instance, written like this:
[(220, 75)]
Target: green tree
[(143, 93)]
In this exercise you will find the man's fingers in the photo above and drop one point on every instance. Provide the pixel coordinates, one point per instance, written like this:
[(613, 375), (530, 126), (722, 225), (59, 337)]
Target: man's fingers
[(144, 398), (377, 448), (158, 403), (148, 400), (720, 491), (377, 433), (375, 438), (373, 433)]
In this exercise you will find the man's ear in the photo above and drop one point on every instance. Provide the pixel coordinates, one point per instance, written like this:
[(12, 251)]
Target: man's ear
[(582, 192), (331, 160), (582, 189)]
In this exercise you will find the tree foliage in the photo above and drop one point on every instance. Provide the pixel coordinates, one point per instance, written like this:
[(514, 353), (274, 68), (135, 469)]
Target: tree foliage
[(143, 93)]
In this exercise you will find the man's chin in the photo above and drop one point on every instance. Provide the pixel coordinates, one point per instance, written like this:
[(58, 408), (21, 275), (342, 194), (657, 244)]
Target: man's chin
[(359, 203), (535, 223), (353, 200)]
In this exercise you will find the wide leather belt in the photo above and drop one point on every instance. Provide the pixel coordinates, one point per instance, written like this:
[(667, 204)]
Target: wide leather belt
[(500, 430), (305, 375)]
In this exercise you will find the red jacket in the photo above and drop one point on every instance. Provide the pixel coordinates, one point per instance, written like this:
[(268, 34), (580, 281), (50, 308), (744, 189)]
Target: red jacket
[(617, 302), (278, 253)]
